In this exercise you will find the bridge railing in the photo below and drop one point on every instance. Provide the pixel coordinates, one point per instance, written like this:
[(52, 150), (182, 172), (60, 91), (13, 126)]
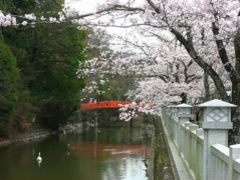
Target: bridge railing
[(204, 149), (103, 104)]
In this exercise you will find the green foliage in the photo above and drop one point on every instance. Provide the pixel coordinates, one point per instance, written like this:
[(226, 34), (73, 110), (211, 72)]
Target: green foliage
[(161, 156), (48, 57), (18, 7), (115, 88), (8, 84), (56, 84), (43, 7)]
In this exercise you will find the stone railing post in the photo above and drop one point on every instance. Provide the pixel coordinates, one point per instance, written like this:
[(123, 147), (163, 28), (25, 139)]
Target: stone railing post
[(164, 114), (184, 115), (216, 123), (168, 117), (169, 112), (173, 113)]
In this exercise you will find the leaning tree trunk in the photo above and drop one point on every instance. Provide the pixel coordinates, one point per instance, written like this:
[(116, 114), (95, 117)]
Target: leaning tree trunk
[(188, 44)]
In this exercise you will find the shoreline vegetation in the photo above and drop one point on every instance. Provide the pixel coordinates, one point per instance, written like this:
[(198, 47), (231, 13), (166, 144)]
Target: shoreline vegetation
[(32, 134), (36, 133)]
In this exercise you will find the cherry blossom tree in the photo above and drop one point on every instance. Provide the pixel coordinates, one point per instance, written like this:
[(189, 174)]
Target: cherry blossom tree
[(206, 32)]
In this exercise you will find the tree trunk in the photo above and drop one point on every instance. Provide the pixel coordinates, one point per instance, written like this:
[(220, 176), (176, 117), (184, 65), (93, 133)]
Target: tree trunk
[(206, 86), (235, 133)]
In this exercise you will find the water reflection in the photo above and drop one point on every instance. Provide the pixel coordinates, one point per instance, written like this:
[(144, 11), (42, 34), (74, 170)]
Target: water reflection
[(109, 150), (78, 156), (130, 168), (39, 159)]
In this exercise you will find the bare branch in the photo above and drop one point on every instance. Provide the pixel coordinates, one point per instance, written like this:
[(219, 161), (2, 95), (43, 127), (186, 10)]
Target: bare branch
[(163, 77), (156, 9), (109, 9), (134, 44), (126, 26), (192, 78), (159, 37)]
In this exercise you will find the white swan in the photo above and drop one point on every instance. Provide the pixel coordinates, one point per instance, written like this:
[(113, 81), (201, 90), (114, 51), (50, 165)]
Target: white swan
[(39, 158)]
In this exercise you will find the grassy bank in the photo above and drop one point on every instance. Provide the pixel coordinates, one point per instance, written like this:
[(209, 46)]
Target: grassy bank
[(162, 164)]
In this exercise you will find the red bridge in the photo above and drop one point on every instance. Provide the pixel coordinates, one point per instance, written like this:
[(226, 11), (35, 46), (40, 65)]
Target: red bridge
[(103, 104)]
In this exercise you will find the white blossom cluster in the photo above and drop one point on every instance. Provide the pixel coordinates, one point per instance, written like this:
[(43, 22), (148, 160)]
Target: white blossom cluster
[(7, 19), (129, 111)]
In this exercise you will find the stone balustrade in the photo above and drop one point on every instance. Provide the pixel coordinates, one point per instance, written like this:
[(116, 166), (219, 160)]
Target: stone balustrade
[(204, 150)]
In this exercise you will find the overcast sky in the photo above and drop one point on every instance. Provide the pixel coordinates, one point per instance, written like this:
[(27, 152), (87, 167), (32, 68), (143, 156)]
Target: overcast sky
[(91, 5), (83, 5), (86, 6)]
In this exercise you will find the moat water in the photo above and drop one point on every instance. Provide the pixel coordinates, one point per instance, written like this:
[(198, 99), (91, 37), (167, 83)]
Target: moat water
[(106, 154)]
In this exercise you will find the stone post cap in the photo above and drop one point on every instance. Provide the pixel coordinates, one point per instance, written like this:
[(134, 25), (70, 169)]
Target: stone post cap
[(217, 114), (216, 103), (184, 110), (184, 105)]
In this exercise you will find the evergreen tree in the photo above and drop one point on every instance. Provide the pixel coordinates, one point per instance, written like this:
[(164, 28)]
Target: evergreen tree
[(8, 86), (47, 56)]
